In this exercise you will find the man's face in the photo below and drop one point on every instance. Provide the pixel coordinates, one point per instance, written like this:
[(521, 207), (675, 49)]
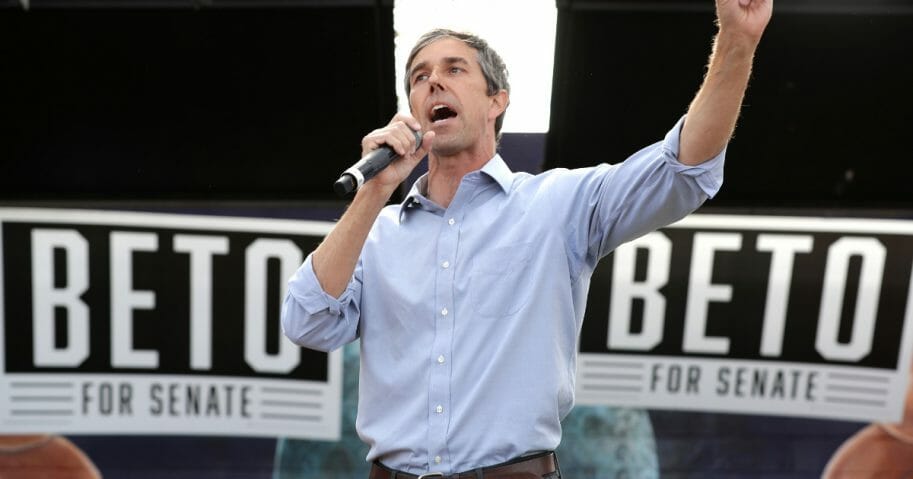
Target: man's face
[(449, 95)]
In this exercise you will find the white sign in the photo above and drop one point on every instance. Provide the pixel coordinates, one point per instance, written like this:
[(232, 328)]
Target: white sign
[(143, 323), (794, 316)]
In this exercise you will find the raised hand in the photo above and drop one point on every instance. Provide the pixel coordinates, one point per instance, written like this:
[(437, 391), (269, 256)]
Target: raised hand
[(398, 135), (745, 18)]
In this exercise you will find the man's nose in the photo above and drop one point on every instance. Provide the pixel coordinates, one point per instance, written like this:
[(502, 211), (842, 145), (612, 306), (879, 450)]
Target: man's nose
[(435, 80)]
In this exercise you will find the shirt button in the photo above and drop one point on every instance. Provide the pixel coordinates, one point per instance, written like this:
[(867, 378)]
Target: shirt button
[(445, 264), (439, 409), (444, 312), (440, 359), (451, 221), (437, 459)]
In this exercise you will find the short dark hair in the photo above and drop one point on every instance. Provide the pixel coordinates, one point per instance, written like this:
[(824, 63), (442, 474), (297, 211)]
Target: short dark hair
[(493, 67)]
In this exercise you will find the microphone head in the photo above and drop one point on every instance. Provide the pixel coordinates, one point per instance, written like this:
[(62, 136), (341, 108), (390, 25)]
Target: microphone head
[(344, 185)]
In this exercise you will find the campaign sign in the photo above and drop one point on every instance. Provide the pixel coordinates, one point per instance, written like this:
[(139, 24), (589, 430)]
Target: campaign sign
[(143, 323), (793, 316)]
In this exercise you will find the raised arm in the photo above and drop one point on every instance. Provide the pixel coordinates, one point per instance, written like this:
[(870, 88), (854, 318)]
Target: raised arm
[(713, 113)]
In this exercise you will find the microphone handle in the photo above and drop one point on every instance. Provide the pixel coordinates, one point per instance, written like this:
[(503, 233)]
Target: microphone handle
[(367, 167)]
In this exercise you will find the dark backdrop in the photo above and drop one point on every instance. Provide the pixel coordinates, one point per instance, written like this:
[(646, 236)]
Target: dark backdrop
[(827, 119), (189, 99), (247, 100)]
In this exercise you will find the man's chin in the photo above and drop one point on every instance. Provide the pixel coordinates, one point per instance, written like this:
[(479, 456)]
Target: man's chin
[(445, 145)]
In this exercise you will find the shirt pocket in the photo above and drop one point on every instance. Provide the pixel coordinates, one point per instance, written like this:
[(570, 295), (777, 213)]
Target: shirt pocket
[(498, 284)]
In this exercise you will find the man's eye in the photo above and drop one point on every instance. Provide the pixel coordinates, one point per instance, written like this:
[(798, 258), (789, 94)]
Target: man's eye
[(420, 77), (455, 70)]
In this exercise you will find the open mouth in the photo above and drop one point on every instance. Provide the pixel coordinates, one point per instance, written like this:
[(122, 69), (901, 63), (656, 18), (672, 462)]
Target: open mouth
[(442, 112)]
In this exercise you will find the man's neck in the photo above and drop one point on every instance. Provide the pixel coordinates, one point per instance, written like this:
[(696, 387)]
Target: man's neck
[(446, 172)]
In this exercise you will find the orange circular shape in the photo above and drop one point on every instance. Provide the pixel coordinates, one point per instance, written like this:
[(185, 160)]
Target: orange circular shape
[(38, 456)]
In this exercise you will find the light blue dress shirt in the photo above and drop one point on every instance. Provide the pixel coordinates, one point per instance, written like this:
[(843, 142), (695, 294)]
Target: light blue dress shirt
[(469, 316)]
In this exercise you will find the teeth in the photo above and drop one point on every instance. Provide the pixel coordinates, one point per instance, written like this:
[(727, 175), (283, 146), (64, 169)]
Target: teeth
[(438, 107)]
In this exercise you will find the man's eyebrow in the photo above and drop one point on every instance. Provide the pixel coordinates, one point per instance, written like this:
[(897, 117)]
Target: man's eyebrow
[(452, 60), (417, 68), (447, 60)]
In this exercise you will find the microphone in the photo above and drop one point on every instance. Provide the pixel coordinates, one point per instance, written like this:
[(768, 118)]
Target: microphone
[(369, 166)]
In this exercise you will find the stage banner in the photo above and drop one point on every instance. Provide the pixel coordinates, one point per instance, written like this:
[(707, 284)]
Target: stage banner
[(141, 323), (774, 315)]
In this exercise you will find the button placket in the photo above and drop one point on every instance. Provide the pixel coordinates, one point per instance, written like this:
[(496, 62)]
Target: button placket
[(439, 393)]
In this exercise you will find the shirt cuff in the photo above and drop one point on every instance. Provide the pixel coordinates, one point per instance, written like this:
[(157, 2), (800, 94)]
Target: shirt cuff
[(306, 289), (708, 175)]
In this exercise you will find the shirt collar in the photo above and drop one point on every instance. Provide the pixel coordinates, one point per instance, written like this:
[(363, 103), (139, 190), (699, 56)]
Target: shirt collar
[(416, 194), (495, 168), (498, 170)]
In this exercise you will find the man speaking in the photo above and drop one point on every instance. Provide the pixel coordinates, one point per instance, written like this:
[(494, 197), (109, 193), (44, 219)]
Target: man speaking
[(468, 297)]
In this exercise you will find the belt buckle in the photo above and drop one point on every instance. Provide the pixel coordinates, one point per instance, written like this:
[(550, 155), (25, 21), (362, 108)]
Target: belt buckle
[(432, 474)]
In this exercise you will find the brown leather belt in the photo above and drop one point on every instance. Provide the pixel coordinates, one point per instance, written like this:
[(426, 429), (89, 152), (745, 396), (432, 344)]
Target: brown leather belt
[(531, 467)]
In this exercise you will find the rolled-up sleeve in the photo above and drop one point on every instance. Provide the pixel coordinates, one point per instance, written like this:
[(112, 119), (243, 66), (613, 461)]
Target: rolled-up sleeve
[(313, 318), (708, 175)]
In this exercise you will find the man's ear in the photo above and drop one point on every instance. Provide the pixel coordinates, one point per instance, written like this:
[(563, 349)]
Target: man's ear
[(499, 102)]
